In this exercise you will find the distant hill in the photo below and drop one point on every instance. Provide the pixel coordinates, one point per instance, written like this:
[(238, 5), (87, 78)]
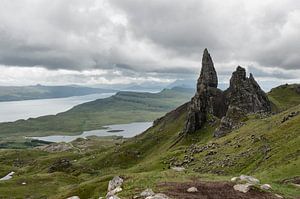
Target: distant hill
[(285, 96), (124, 107), (16, 93)]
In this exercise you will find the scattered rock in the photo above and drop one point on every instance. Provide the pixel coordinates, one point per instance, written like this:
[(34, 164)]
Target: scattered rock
[(192, 190), (114, 191), (265, 187), (56, 147), (179, 169), (249, 179), (242, 187), (158, 196), (289, 116), (60, 165), (147, 192), (114, 183)]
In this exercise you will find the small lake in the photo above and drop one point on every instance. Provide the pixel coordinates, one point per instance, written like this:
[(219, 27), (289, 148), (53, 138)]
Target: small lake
[(125, 130), (15, 110)]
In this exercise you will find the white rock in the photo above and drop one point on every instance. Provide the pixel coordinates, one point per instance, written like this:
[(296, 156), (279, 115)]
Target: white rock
[(266, 186), (147, 192), (73, 197), (158, 196), (113, 197), (242, 187), (114, 183), (234, 179), (24, 183), (114, 192), (192, 190), (179, 169), (249, 179), (278, 196)]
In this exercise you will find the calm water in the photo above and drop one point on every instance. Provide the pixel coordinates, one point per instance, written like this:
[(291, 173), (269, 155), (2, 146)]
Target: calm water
[(15, 110), (125, 130)]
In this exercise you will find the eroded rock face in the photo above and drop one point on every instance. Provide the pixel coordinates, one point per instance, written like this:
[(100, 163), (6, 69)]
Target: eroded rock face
[(208, 98), (243, 96)]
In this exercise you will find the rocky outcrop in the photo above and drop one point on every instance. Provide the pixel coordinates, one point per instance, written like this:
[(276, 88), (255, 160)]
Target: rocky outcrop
[(243, 96), (208, 98)]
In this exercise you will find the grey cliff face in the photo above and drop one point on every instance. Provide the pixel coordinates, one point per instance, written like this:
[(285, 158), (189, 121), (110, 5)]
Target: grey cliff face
[(243, 96)]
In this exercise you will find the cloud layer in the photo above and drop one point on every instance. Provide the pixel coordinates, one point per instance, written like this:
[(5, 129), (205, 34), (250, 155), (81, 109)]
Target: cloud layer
[(150, 39)]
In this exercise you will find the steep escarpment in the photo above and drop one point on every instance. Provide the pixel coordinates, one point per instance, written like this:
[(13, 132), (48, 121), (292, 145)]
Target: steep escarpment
[(244, 96)]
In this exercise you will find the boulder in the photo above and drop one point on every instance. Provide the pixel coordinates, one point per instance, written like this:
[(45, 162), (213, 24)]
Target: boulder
[(249, 179), (73, 197), (114, 183), (242, 187), (114, 191), (147, 192), (265, 187), (113, 197), (192, 190)]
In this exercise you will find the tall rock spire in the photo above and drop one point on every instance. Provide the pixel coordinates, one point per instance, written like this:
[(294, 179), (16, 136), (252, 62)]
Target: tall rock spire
[(208, 74), (202, 103)]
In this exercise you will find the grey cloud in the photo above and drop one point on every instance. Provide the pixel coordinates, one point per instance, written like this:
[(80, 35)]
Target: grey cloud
[(159, 38)]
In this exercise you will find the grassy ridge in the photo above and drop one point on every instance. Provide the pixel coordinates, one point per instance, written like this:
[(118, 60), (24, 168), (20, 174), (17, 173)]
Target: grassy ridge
[(15, 93), (285, 96)]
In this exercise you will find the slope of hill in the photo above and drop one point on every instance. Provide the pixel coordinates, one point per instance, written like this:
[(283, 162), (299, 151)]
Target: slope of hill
[(124, 107), (266, 148), (285, 96), (15, 93)]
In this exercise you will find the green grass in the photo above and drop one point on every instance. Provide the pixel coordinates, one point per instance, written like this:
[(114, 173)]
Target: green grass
[(284, 96)]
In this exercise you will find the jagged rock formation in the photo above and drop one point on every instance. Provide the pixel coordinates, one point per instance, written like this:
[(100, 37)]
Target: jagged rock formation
[(243, 96), (208, 98)]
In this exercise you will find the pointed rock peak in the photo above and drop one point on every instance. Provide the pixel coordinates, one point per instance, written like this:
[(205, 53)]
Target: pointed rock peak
[(238, 75), (208, 74)]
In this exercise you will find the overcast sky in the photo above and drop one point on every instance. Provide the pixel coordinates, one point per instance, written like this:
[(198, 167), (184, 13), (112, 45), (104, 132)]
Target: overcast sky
[(101, 42)]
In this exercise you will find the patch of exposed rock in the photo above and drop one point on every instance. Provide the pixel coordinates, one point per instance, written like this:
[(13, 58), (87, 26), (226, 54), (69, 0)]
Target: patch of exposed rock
[(56, 147), (243, 96)]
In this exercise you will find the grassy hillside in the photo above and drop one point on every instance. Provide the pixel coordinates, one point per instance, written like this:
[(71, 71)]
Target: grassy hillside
[(15, 93), (124, 107), (285, 96), (265, 148)]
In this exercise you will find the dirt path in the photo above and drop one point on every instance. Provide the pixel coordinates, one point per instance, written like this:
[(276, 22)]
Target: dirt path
[(211, 190)]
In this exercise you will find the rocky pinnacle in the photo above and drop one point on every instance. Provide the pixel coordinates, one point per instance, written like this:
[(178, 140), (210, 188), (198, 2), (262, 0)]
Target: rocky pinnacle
[(243, 96)]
